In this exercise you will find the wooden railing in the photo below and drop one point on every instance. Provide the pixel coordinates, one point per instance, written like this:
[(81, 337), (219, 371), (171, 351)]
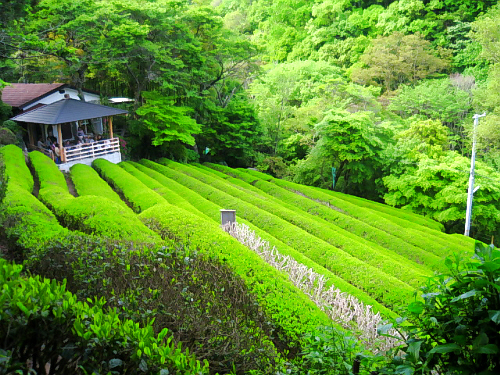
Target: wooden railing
[(90, 150)]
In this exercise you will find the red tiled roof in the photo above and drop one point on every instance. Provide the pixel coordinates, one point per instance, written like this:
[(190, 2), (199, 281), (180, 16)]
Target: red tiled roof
[(18, 94)]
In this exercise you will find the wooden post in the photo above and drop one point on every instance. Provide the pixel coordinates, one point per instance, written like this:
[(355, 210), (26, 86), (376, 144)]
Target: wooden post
[(110, 127), (61, 151), (30, 134)]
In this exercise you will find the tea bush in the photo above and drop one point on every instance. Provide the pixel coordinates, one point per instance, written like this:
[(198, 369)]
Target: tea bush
[(371, 253), (88, 182), (353, 226), (26, 222), (89, 214), (169, 195), (288, 307), (16, 168), (44, 327), (365, 277), (200, 300), (134, 192), (431, 240), (211, 210)]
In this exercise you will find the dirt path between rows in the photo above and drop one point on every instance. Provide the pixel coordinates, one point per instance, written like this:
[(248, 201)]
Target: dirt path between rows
[(71, 185)]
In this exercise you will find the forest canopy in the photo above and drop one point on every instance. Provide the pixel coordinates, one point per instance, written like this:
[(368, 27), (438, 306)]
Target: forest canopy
[(382, 91)]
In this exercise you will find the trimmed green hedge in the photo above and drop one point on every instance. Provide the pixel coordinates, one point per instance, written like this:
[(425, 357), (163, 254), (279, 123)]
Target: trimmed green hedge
[(430, 240), (15, 167), (370, 253), (354, 227), (293, 317), (384, 288), (25, 220), (288, 307), (393, 214), (134, 191), (88, 182), (53, 327), (47, 171), (171, 197), (175, 285), (212, 210), (89, 214)]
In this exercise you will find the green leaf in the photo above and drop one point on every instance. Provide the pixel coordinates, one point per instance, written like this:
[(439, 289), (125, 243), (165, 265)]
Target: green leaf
[(487, 349), (143, 366), (416, 307), (468, 294), (383, 329), (404, 370), (414, 349), (446, 348), (494, 316), (115, 362), (23, 308)]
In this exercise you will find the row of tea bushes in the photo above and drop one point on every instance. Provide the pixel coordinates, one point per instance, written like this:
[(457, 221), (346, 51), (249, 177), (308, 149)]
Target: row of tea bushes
[(291, 311), (163, 190), (292, 317), (88, 182), (210, 209), (386, 289), (353, 227), (73, 334), (348, 231), (399, 216), (89, 214), (396, 215), (25, 220), (270, 287), (45, 328), (430, 240), (137, 195), (372, 254)]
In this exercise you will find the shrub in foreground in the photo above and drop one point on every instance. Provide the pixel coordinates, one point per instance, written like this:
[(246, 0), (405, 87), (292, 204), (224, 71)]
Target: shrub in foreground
[(43, 327), (202, 303), (456, 330)]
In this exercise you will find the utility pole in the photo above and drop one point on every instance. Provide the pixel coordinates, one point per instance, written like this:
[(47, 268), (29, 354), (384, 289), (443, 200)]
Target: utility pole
[(471, 191)]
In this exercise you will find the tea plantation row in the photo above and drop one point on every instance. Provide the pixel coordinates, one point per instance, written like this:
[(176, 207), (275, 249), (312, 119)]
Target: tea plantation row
[(134, 223)]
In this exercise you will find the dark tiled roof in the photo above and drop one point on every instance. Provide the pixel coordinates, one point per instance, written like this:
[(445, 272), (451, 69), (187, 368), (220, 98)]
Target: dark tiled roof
[(67, 110), (18, 94)]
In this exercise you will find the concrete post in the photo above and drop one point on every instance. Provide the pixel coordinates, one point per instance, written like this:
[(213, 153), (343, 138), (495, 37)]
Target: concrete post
[(227, 216)]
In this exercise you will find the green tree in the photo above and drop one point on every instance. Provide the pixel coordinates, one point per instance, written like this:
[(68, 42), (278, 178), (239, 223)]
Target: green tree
[(230, 133), (162, 128), (347, 141), (167, 122), (438, 188), (445, 100), (396, 59)]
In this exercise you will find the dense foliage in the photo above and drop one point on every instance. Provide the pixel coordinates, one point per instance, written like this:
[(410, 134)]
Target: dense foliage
[(455, 328), (279, 85)]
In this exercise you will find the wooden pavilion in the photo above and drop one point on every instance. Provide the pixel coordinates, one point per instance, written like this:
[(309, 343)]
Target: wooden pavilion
[(62, 120)]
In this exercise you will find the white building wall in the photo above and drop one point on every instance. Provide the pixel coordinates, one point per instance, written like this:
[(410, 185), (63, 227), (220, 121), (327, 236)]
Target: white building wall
[(54, 97), (114, 158)]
